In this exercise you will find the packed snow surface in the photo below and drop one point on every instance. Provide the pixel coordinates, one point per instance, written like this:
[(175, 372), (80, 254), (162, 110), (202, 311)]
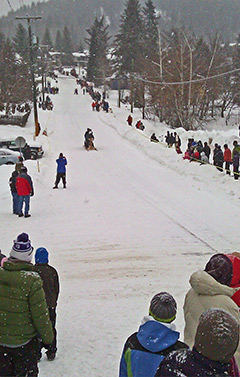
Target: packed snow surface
[(135, 220)]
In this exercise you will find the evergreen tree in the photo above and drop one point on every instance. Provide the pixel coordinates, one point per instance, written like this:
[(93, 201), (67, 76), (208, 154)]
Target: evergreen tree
[(21, 42), (67, 47), (151, 29), (47, 39), (67, 41), (97, 66), (58, 41), (129, 40), (14, 77)]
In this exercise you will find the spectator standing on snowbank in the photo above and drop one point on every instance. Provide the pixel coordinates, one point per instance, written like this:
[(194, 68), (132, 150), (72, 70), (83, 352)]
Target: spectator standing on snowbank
[(61, 171), (156, 337), (227, 158), (206, 149), (235, 161), (23, 312), (50, 281), (209, 288), (130, 120), (216, 340), (25, 189), (13, 188)]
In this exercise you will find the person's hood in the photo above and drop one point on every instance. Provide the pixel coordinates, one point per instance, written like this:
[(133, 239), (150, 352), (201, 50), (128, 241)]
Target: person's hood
[(156, 336), (205, 284)]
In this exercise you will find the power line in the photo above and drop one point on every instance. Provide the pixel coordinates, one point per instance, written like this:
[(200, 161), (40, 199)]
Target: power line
[(163, 83), (8, 1)]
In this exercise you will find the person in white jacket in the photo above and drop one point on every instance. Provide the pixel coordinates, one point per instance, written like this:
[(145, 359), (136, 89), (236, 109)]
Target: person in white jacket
[(210, 289)]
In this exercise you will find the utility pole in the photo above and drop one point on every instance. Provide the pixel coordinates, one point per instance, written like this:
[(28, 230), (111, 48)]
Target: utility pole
[(28, 19)]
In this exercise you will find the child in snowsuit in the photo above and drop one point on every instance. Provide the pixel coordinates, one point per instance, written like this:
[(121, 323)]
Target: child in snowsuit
[(50, 281), (156, 337)]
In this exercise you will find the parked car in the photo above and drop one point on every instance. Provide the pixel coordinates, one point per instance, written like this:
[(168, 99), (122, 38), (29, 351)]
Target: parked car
[(33, 151), (8, 157)]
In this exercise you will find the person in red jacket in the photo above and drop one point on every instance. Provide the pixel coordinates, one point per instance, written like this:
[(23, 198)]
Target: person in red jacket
[(227, 158), (25, 189)]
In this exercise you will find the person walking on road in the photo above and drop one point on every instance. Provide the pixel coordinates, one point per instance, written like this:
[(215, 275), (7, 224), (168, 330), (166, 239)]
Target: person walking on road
[(25, 189), (61, 171), (12, 184)]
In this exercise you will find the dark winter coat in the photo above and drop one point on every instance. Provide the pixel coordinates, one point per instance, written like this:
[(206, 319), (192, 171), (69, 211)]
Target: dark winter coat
[(207, 150), (13, 181), (61, 164), (186, 363), (144, 350), (50, 281), (24, 185), (218, 158), (23, 308)]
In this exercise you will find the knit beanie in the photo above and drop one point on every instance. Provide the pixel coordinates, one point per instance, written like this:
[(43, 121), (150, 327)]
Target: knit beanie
[(163, 307), (217, 335), (22, 248), (220, 268), (41, 255)]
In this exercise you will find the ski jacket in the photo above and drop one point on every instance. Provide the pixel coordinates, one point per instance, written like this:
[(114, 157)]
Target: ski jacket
[(50, 281), (227, 155), (144, 350), (185, 363), (24, 185), (206, 293), (61, 165), (13, 181), (235, 282), (23, 308)]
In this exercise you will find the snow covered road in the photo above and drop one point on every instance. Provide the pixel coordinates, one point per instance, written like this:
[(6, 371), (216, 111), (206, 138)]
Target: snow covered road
[(134, 220)]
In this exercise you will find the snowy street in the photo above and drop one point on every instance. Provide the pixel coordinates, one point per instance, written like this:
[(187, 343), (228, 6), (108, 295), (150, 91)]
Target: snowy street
[(135, 219)]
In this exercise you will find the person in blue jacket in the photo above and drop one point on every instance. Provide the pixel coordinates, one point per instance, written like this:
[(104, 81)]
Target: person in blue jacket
[(61, 171), (156, 337)]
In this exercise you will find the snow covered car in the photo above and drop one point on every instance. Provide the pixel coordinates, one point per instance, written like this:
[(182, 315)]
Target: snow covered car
[(8, 157), (33, 151)]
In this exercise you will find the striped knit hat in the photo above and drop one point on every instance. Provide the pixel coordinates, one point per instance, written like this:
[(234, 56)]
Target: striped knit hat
[(22, 248), (163, 307)]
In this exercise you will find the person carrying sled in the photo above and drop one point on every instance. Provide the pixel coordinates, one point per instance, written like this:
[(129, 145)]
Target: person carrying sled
[(88, 142)]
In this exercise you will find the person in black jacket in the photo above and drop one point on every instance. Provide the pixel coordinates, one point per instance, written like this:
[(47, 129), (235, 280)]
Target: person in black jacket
[(206, 149), (15, 197), (218, 158), (50, 281)]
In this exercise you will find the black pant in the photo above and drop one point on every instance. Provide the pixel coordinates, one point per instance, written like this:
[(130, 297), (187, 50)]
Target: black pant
[(227, 167), (235, 170), (20, 361), (61, 176), (51, 348)]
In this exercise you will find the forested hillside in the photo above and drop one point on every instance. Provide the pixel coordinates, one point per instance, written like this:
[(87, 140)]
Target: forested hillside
[(204, 17)]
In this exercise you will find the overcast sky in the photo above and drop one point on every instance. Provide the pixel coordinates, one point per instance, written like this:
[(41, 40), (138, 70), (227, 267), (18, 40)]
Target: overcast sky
[(5, 8)]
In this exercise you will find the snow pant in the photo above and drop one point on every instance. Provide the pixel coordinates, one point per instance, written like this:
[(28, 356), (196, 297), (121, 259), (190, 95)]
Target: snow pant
[(15, 198), (235, 172), (51, 348), (227, 167), (20, 361), (23, 199), (59, 177)]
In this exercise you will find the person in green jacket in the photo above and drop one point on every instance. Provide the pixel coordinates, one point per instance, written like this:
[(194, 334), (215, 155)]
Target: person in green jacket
[(23, 312)]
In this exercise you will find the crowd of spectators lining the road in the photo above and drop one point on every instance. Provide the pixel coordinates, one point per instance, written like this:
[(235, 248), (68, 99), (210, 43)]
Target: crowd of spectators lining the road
[(99, 100), (200, 152)]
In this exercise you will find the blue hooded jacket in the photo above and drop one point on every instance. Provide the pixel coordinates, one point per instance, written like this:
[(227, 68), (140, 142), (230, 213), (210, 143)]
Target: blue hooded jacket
[(61, 165), (143, 360)]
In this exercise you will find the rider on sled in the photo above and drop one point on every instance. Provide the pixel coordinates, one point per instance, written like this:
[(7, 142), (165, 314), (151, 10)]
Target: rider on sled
[(89, 137)]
